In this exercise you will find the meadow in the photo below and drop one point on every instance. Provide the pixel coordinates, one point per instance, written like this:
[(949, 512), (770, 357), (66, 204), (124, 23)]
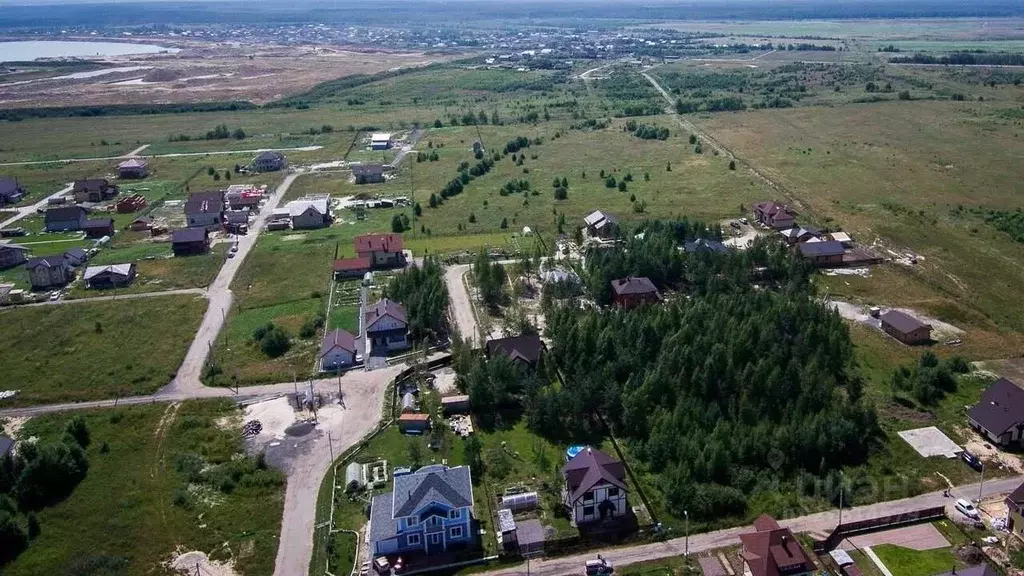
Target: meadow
[(77, 352), (138, 504)]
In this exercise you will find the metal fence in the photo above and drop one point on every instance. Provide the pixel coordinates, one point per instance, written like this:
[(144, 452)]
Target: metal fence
[(844, 531)]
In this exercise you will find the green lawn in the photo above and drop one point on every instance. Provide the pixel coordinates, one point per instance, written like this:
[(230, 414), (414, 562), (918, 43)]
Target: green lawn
[(342, 548), (123, 515), (906, 562), (157, 269), (77, 352)]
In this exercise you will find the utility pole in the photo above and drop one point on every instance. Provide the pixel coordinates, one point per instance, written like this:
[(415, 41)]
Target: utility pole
[(312, 402), (840, 498), (686, 547), (330, 445), (295, 385), (981, 486)]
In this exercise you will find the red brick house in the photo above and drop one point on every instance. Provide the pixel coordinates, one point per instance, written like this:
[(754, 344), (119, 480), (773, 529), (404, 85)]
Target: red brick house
[(633, 291), (771, 550), (383, 250)]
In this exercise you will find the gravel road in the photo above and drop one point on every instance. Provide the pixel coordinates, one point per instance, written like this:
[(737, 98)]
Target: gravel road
[(461, 304)]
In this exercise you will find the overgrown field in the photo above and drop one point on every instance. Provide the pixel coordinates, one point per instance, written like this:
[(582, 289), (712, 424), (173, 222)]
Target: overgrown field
[(86, 351), (161, 479)]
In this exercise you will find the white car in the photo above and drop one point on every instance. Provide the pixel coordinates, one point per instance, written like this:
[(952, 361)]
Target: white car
[(967, 509)]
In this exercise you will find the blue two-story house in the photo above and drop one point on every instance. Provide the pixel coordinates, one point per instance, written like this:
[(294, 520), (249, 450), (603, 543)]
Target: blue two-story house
[(429, 511)]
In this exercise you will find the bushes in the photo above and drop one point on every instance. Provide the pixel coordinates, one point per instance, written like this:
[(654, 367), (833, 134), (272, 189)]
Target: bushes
[(930, 379), (310, 326), (272, 340), (645, 132), (50, 474)]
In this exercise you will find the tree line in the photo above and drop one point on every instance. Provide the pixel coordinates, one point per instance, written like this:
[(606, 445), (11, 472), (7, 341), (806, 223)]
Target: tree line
[(421, 289)]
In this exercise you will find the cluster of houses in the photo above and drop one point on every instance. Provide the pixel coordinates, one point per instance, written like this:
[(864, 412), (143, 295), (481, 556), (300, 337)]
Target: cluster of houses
[(58, 270), (825, 250)]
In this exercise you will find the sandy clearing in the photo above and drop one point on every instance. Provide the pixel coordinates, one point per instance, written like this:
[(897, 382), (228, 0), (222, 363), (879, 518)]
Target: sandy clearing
[(983, 449), (196, 562), (941, 331)]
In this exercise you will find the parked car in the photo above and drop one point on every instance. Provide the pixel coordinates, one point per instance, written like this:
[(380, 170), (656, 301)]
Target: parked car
[(234, 248), (599, 567), (967, 509), (972, 460), (734, 224), (744, 221)]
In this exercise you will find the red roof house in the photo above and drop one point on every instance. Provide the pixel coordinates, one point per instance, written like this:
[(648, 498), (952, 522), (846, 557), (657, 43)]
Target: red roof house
[(383, 250), (771, 550), (633, 291)]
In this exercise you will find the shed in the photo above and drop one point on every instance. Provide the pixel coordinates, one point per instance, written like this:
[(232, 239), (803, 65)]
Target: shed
[(6, 445), (354, 477), (905, 328), (518, 502), (455, 404), (413, 423)]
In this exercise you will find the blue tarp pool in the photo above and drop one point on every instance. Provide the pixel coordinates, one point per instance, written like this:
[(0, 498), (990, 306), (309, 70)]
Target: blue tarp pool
[(572, 451)]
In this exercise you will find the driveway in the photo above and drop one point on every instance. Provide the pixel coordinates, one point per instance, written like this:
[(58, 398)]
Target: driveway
[(188, 376), (819, 524), (461, 303)]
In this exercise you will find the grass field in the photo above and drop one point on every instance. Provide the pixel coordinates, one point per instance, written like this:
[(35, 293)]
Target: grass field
[(77, 352), (906, 562), (123, 517)]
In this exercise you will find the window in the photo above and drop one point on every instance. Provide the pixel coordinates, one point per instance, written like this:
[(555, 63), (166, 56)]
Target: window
[(435, 538), (588, 510), (414, 539), (588, 496), (456, 532), (434, 521), (412, 521), (453, 514), (612, 492)]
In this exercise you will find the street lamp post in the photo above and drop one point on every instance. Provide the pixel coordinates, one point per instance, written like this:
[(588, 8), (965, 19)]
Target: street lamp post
[(981, 486)]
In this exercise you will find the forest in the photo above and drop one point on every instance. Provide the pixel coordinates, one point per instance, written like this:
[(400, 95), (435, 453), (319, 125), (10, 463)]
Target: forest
[(742, 381)]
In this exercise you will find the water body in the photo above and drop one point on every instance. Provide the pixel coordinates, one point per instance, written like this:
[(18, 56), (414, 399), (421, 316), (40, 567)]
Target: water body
[(35, 49)]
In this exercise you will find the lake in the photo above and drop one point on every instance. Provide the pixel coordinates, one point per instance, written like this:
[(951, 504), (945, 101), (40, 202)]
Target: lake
[(34, 49)]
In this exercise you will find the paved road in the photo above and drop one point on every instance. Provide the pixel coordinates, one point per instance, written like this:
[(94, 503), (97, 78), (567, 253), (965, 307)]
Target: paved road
[(188, 376), (196, 291), (170, 155), (24, 211), (364, 392), (461, 303), (821, 523)]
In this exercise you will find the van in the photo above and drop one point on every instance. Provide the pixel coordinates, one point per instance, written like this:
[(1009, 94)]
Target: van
[(599, 567)]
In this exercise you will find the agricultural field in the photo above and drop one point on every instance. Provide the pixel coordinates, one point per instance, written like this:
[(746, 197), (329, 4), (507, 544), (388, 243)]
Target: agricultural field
[(181, 482), (89, 339)]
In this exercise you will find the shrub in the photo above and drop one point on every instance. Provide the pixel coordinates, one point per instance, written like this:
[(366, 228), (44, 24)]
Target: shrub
[(77, 429), (275, 342), (180, 498)]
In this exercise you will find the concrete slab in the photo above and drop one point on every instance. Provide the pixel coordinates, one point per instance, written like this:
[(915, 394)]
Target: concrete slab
[(931, 441), (917, 537)]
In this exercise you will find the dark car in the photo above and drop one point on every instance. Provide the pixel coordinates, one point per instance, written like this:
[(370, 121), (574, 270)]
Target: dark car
[(972, 460)]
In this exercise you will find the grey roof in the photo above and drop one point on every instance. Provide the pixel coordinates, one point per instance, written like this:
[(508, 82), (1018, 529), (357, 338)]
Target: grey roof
[(599, 219), (204, 206), (367, 169), (98, 223), (118, 269), (10, 246), (385, 307), (382, 524), (64, 213), (633, 285), (6, 445), (705, 245), (409, 401), (1017, 496), (91, 184), (189, 235), (47, 261), (269, 155), (9, 187), (506, 521), (901, 321), (447, 486), (133, 163), (299, 207), (338, 338), (826, 248), (1001, 407), (77, 253), (589, 468)]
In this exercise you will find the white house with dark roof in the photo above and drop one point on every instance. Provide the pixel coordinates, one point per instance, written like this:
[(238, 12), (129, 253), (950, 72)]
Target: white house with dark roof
[(338, 350), (430, 511), (269, 161), (386, 326), (595, 487)]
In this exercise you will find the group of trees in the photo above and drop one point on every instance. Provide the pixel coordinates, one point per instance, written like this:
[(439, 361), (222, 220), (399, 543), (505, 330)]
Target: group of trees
[(645, 132), (40, 475), (516, 144), (561, 188), (716, 394), (400, 223), (514, 186), (271, 339), (963, 59), (221, 132), (489, 278), (421, 289), (722, 104), (930, 379)]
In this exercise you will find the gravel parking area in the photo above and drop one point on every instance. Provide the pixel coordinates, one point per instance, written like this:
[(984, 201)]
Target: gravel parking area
[(919, 537)]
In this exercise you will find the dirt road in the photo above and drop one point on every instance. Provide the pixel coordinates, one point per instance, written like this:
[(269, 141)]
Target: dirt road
[(363, 394), (133, 154), (461, 303), (188, 376), (820, 523)]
